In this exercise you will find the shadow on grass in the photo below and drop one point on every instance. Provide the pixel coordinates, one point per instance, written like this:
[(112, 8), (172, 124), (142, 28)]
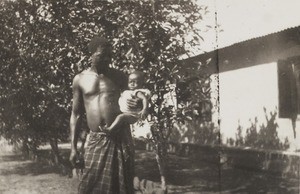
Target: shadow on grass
[(31, 168), (193, 175), (241, 181), (11, 157), (42, 164)]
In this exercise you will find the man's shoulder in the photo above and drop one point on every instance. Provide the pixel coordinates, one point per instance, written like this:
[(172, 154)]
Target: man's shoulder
[(87, 72), (83, 73), (78, 78)]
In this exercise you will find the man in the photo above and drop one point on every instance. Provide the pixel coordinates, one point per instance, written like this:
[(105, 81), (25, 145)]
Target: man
[(109, 154)]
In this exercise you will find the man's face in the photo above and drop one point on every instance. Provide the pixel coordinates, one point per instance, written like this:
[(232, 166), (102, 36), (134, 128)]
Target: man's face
[(134, 82), (102, 57)]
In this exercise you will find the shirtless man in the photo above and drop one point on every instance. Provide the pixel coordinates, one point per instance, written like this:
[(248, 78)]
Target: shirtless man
[(109, 154)]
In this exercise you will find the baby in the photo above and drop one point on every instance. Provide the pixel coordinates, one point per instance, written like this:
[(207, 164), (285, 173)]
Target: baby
[(135, 90)]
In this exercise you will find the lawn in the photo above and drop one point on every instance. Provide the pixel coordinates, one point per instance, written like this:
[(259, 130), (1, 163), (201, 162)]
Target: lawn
[(185, 175)]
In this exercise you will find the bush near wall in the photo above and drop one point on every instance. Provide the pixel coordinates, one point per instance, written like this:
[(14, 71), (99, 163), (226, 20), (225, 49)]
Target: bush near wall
[(264, 136)]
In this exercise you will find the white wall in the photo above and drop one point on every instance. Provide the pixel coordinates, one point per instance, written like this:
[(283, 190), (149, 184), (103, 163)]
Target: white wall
[(243, 95)]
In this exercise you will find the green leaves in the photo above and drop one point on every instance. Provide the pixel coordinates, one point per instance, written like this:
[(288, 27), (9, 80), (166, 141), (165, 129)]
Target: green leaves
[(43, 44)]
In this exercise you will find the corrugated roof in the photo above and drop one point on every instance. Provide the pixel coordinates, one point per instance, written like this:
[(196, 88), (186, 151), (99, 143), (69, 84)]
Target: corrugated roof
[(246, 41), (258, 37), (254, 51)]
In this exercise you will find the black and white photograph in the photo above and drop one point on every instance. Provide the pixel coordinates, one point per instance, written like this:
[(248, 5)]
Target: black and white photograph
[(149, 97)]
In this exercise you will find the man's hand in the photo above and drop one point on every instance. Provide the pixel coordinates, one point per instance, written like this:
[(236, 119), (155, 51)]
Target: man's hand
[(77, 163), (144, 114), (134, 103), (73, 157)]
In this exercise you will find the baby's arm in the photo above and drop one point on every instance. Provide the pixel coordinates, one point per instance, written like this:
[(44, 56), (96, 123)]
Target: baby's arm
[(145, 101)]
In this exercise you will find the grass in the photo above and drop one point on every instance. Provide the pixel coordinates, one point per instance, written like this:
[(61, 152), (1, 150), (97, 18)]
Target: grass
[(185, 175)]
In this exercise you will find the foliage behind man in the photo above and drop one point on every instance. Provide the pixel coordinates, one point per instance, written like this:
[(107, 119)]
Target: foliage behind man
[(43, 45)]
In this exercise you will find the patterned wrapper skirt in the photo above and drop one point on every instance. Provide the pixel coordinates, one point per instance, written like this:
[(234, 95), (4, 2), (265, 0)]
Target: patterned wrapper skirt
[(108, 166)]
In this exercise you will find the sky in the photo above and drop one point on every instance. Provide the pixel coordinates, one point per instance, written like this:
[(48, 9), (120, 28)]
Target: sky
[(241, 20)]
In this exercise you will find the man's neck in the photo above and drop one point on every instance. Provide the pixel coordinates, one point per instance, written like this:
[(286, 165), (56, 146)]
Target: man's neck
[(98, 70)]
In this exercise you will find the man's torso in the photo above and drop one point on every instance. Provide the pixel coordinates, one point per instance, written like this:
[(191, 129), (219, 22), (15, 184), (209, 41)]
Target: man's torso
[(100, 97)]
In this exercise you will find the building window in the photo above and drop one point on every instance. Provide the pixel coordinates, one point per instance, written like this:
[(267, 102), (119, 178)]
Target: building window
[(289, 87)]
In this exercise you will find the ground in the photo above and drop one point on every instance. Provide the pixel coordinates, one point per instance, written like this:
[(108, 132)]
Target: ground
[(186, 175)]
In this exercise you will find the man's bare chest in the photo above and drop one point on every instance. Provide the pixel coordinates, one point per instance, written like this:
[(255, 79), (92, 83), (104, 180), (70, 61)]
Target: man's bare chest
[(96, 85)]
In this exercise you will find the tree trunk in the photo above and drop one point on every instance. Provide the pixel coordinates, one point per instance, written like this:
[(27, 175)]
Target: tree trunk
[(28, 150), (55, 151), (63, 163), (161, 158), (161, 155)]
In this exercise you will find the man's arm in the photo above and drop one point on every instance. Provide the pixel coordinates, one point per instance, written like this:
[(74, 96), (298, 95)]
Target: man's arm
[(76, 118), (145, 101)]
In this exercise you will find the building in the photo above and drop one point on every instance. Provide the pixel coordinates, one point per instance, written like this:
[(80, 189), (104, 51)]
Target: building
[(258, 79)]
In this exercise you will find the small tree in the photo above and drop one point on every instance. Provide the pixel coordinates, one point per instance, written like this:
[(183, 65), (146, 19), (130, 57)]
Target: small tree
[(151, 36)]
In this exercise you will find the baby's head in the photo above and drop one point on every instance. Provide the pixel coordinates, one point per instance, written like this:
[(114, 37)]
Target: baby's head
[(136, 80)]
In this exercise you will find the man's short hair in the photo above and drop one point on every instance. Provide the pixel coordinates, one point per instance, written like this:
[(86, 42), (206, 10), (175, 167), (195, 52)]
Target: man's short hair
[(96, 42)]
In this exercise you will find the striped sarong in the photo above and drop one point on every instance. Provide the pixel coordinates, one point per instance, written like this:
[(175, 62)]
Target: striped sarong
[(108, 165)]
